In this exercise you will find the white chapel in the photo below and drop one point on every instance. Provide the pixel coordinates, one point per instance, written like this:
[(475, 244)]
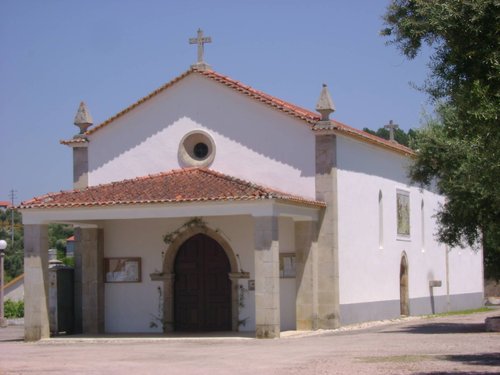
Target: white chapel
[(208, 205)]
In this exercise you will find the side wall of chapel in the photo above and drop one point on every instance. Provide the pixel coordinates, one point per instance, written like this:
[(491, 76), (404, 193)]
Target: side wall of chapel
[(370, 249)]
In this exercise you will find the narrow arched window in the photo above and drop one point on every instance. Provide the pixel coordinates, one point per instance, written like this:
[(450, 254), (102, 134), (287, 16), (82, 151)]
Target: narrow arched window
[(422, 224), (380, 221)]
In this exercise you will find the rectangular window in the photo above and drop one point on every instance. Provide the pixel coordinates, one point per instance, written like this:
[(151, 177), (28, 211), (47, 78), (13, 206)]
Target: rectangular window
[(403, 213)]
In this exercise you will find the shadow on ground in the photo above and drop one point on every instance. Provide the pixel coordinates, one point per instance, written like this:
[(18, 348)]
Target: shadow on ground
[(11, 340), (483, 359), (441, 328)]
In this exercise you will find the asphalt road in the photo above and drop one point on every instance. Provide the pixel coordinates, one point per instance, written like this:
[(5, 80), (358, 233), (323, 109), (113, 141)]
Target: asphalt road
[(444, 345)]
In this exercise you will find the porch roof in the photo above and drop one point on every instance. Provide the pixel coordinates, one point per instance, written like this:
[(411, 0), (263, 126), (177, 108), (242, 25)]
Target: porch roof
[(177, 186)]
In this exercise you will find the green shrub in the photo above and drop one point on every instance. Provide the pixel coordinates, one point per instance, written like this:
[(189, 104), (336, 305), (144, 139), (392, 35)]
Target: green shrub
[(13, 309), (69, 261)]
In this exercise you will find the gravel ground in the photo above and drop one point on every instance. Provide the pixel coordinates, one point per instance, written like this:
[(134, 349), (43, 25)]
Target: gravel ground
[(443, 345)]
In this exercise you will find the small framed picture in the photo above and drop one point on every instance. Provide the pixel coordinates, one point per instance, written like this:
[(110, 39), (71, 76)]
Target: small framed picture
[(287, 265), (122, 270)]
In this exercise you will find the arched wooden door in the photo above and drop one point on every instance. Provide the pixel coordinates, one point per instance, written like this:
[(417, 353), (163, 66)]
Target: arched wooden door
[(202, 289)]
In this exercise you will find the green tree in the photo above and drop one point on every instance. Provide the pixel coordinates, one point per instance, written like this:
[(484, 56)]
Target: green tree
[(58, 235), (459, 149), (14, 253)]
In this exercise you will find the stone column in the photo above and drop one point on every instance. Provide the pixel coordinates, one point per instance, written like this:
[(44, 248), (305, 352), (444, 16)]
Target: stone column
[(267, 282), (78, 284), (80, 165), (36, 283), (328, 267), (89, 245), (168, 302), (306, 275)]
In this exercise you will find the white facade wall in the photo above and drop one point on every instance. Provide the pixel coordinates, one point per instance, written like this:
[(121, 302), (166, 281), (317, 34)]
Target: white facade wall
[(369, 273), (129, 307), (253, 141)]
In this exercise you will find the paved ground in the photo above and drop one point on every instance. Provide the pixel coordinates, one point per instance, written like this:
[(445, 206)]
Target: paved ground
[(445, 345)]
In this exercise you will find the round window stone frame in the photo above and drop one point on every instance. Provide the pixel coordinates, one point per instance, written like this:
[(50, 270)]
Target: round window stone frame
[(187, 156)]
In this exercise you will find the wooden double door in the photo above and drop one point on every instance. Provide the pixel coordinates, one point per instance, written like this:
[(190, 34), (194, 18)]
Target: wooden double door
[(202, 288)]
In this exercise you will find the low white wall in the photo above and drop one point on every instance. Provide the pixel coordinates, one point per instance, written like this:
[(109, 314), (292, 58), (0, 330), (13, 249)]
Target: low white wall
[(15, 291)]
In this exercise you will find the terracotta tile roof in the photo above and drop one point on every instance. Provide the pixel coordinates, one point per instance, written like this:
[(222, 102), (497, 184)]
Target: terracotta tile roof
[(296, 111), (5, 204), (367, 137), (310, 118), (183, 185)]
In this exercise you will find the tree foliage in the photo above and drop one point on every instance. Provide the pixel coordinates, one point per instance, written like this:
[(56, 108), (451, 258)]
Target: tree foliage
[(14, 253), (459, 149), (58, 235), (13, 309)]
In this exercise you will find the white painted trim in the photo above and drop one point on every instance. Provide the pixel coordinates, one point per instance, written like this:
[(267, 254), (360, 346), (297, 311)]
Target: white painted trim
[(170, 210)]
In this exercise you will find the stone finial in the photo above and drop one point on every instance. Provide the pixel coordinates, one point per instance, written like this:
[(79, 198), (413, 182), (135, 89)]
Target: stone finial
[(325, 104), (83, 119)]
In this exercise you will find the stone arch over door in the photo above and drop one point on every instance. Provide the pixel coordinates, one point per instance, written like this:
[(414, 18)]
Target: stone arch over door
[(404, 295), (169, 276)]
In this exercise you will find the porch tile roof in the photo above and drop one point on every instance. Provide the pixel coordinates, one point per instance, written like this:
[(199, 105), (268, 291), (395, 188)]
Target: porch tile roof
[(182, 185)]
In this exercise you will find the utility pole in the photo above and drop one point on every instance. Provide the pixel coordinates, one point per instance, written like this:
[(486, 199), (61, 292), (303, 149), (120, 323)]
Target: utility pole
[(12, 196)]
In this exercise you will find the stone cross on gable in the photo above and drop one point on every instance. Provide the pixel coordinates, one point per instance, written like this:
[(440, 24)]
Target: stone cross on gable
[(391, 126), (200, 40)]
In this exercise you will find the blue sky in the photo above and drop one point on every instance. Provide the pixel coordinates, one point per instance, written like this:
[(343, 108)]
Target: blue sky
[(109, 53)]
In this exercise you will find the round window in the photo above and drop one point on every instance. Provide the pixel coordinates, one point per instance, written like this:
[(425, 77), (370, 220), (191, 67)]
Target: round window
[(200, 150), (196, 149)]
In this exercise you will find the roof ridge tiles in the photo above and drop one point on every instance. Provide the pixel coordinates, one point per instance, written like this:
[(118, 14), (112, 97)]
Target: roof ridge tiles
[(286, 107)]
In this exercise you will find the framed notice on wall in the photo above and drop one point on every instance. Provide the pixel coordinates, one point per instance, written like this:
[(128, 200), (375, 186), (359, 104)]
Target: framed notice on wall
[(122, 270), (287, 265)]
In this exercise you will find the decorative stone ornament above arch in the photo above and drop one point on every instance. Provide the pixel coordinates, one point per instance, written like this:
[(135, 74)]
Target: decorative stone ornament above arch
[(196, 149), (173, 248)]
